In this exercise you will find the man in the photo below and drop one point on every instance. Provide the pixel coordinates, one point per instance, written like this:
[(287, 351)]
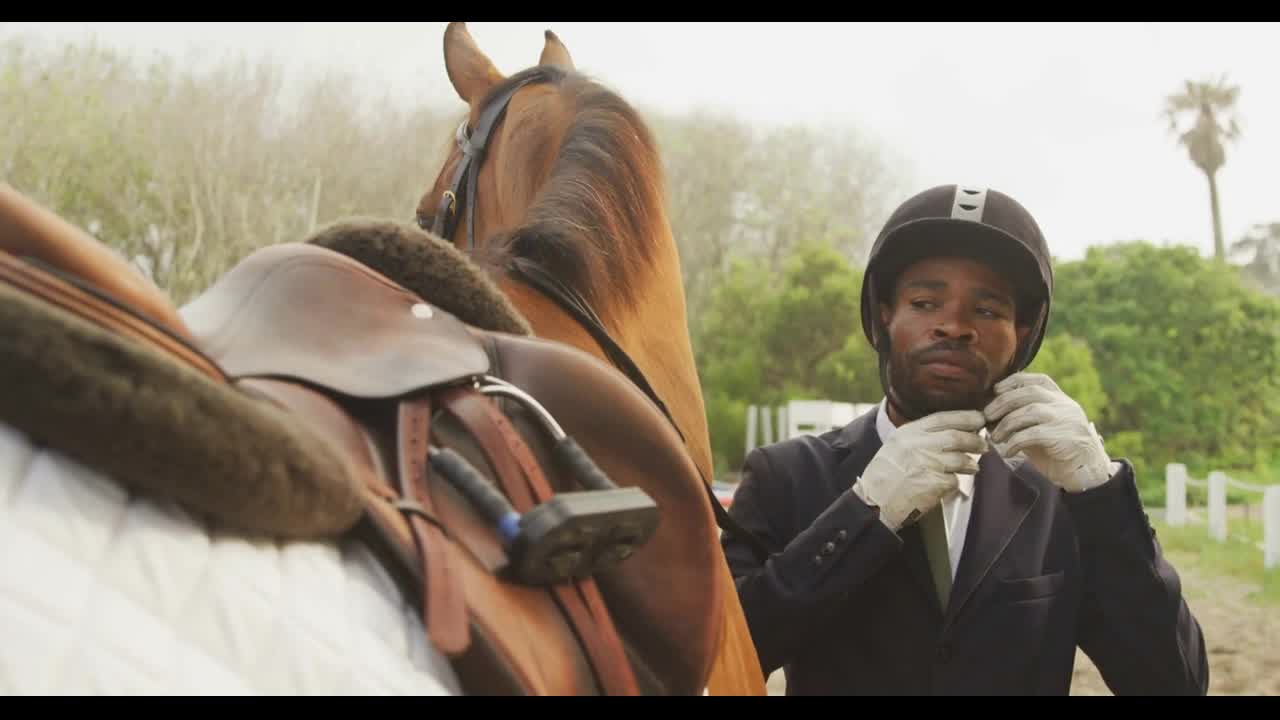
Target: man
[(970, 533)]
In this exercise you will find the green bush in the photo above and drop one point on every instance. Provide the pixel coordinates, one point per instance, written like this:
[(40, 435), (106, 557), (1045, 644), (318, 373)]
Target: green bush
[(1188, 356)]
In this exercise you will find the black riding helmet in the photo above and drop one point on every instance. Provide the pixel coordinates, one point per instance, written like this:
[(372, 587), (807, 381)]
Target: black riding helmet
[(961, 221)]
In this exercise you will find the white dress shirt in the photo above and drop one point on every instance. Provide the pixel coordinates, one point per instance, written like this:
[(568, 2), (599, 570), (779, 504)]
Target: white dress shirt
[(955, 506)]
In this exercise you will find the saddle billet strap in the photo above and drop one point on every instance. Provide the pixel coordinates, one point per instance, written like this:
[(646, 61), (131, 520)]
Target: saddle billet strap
[(510, 457), (604, 644), (444, 611), (505, 447), (96, 306)]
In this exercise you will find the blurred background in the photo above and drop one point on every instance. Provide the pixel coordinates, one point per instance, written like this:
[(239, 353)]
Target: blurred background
[(1148, 152)]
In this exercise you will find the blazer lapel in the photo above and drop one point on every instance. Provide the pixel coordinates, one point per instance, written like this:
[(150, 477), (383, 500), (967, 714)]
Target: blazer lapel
[(1001, 503), (862, 440)]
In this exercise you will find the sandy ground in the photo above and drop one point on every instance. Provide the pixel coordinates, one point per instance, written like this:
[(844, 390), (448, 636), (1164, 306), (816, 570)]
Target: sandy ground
[(1243, 639)]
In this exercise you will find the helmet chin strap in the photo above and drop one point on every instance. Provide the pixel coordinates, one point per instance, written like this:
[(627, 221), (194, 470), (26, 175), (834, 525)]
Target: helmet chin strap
[(904, 409)]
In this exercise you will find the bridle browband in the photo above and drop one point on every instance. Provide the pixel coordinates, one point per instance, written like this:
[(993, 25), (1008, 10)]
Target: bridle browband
[(445, 222)]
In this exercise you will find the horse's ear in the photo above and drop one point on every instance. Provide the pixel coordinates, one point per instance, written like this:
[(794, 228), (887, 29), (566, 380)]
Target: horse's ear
[(470, 71), (555, 53)]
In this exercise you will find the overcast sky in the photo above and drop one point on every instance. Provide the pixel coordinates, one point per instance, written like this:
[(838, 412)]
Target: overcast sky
[(1064, 117)]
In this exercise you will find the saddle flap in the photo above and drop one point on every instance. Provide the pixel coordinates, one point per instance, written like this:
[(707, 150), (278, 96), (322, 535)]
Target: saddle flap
[(303, 312)]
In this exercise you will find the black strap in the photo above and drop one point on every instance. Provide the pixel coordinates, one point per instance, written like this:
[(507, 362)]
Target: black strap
[(536, 276), (473, 148), (727, 523), (447, 212), (573, 303)]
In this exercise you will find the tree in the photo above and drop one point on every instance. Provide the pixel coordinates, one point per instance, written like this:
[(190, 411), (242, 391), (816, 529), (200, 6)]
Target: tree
[(1188, 354), (1213, 103), (1069, 361), (1263, 245), (738, 191), (184, 173), (770, 336), (705, 160)]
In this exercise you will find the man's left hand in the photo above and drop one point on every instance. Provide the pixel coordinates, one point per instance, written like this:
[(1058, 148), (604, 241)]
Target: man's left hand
[(1034, 417)]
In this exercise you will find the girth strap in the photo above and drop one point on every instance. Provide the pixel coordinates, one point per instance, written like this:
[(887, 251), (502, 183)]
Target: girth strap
[(580, 601)]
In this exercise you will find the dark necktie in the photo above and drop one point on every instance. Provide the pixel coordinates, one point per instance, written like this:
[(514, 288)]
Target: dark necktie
[(933, 530)]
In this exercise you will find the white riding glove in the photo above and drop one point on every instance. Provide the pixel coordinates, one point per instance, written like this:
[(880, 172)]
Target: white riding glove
[(909, 476), (1040, 421)]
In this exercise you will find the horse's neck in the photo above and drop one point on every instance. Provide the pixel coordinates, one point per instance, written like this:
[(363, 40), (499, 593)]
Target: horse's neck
[(646, 334), (657, 338)]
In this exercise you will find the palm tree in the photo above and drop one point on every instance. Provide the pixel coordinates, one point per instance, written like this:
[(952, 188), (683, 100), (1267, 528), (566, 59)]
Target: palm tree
[(1210, 100)]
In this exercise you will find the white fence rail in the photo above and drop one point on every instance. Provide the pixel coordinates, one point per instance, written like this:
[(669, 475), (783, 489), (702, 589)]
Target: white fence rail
[(798, 417), (1176, 482)]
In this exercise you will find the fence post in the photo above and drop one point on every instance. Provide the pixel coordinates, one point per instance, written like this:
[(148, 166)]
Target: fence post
[(766, 425), (1218, 506), (1271, 527), (1175, 494), (751, 430)]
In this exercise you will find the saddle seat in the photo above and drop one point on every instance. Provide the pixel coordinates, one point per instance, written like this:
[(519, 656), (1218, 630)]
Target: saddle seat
[(316, 385)]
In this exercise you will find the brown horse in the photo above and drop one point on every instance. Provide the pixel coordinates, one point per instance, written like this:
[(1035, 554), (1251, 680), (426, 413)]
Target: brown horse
[(555, 187)]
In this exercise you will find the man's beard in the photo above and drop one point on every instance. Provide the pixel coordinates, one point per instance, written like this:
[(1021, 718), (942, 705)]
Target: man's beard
[(905, 370)]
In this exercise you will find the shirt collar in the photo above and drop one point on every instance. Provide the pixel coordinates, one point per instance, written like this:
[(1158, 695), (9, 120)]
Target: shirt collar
[(886, 428)]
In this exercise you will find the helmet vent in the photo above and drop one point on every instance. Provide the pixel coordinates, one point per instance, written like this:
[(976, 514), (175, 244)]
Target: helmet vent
[(969, 203)]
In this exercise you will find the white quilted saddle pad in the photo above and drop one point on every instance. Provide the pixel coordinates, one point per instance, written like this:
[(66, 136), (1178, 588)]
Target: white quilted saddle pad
[(105, 592)]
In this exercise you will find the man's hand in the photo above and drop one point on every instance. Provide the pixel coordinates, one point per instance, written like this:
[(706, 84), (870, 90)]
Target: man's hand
[(919, 463), (1039, 420)]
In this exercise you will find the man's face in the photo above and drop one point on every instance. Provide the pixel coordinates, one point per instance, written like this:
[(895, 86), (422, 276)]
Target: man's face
[(952, 331)]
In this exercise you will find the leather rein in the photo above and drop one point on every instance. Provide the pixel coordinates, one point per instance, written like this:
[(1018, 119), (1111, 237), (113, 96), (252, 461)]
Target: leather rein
[(444, 223)]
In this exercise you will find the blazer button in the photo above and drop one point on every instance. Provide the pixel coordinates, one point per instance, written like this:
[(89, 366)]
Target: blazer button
[(828, 548), (840, 536), (817, 559)]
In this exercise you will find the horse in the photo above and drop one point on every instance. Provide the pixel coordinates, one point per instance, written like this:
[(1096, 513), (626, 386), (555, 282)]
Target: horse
[(555, 187), (109, 372)]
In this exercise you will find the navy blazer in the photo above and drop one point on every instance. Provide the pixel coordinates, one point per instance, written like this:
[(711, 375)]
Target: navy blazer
[(847, 606)]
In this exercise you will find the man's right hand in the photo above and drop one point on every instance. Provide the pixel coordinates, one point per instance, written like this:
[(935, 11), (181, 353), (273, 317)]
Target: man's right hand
[(918, 465)]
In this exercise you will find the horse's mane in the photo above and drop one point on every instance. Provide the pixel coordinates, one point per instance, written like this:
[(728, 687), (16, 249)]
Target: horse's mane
[(595, 221)]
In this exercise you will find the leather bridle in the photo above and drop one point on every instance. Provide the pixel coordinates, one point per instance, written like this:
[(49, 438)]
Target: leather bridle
[(473, 147), (445, 222)]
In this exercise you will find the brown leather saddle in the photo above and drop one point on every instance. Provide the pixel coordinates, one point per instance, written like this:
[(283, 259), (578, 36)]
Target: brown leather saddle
[(537, 505)]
